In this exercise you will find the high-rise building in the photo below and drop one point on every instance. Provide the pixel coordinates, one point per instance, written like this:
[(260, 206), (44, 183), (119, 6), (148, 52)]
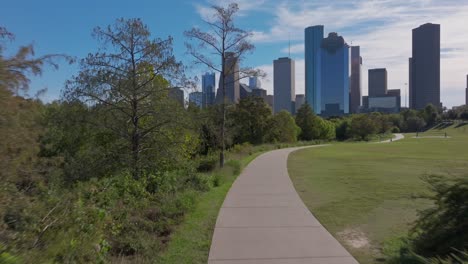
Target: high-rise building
[(255, 83), (466, 91), (177, 95), (313, 40), (260, 93), (377, 82), (196, 98), (271, 101), (208, 89), (334, 77), (284, 84), (232, 81), (244, 91), (355, 80), (424, 66), (300, 100)]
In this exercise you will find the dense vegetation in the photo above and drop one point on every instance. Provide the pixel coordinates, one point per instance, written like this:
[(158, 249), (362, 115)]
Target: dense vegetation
[(110, 170)]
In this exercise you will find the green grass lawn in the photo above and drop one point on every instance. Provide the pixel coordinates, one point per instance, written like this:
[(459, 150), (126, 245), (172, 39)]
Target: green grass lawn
[(365, 194)]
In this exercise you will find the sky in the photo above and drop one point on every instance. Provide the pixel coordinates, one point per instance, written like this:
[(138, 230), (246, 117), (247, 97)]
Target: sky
[(382, 28)]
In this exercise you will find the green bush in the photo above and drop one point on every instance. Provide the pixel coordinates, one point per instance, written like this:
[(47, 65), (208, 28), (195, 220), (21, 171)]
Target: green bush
[(207, 163)]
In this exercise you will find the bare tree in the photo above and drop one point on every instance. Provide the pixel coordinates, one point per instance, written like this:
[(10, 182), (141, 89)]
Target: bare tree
[(218, 49), (127, 79)]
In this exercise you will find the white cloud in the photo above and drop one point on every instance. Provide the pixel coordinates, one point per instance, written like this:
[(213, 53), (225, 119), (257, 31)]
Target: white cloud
[(383, 30)]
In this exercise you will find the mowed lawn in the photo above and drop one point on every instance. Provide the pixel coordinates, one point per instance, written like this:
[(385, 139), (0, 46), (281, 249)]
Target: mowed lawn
[(365, 194)]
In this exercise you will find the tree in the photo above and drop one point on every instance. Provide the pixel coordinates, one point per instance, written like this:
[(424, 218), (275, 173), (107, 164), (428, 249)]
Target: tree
[(282, 128), (216, 47), (127, 82), (250, 120), (306, 120), (362, 127), (415, 124)]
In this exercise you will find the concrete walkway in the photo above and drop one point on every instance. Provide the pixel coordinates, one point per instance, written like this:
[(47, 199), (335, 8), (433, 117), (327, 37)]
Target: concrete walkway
[(396, 138), (263, 220)]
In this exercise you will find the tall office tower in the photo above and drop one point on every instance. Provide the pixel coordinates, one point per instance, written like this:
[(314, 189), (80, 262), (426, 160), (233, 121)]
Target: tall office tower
[(466, 91), (177, 95), (284, 84), (355, 80), (254, 83), (196, 98), (271, 101), (232, 81), (377, 82), (334, 77), (300, 100), (313, 40), (208, 89), (425, 67)]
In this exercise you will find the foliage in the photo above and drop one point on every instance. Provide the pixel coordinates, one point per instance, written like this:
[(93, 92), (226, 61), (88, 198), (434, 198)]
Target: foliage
[(282, 128), (363, 127), (441, 230), (312, 126), (250, 120), (126, 83)]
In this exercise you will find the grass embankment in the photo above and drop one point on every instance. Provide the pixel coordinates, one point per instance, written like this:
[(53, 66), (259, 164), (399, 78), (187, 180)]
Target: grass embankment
[(364, 194), (191, 241)]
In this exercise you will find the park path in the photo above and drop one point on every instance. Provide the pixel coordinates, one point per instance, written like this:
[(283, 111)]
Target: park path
[(263, 220), (396, 138)]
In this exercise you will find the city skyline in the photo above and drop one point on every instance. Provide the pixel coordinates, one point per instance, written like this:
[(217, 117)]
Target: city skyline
[(384, 37)]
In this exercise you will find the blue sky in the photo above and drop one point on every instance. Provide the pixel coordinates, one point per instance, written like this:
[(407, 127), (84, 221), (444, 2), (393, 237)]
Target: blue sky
[(381, 27)]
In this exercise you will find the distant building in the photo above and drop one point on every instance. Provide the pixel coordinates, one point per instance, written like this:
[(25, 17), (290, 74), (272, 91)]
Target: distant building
[(232, 81), (284, 84), (255, 83), (208, 89), (313, 41), (384, 104), (196, 98), (177, 95), (244, 91), (334, 77), (355, 80), (424, 68), (377, 82), (260, 93), (271, 101), (300, 100), (466, 91)]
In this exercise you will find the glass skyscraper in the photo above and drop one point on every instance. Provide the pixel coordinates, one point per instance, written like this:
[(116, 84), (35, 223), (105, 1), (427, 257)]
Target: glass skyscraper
[(313, 40), (334, 77), (355, 79), (208, 89)]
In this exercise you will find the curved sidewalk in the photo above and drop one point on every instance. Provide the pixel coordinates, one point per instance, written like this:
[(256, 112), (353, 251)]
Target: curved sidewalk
[(263, 220)]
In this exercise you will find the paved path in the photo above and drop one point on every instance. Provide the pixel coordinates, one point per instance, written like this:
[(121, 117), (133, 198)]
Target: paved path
[(397, 137), (263, 220)]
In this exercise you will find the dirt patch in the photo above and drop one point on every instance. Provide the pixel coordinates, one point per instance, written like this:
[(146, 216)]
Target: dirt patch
[(354, 238)]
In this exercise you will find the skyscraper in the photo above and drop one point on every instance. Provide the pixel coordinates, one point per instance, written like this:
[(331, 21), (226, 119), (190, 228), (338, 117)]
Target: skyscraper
[(334, 77), (284, 84), (196, 98), (355, 80), (300, 100), (208, 89), (232, 81), (425, 67), (313, 40), (377, 82), (254, 83)]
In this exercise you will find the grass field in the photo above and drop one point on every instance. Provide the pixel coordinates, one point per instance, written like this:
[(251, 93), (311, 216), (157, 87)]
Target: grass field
[(365, 193)]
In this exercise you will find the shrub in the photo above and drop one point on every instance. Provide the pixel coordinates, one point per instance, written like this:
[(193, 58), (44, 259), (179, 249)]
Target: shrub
[(207, 163)]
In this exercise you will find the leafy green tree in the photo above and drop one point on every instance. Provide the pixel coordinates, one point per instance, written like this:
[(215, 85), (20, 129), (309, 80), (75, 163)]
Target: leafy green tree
[(306, 120), (250, 120), (282, 128), (430, 115), (415, 124), (363, 127), (127, 83)]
